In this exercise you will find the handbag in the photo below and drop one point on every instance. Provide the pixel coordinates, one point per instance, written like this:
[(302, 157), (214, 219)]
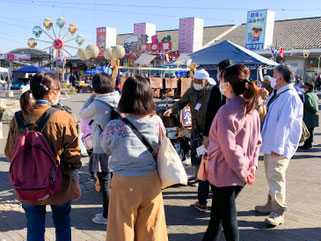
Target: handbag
[(202, 172), (305, 133), (168, 163), (88, 142)]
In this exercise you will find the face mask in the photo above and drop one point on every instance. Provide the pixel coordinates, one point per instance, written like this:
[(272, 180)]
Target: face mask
[(221, 90), (273, 82), (56, 101), (218, 77), (197, 86)]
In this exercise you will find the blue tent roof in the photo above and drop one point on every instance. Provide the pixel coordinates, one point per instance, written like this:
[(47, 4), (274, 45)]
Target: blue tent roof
[(30, 69), (228, 50)]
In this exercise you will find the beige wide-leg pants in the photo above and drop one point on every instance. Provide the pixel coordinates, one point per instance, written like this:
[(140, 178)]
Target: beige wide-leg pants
[(275, 169), (136, 209)]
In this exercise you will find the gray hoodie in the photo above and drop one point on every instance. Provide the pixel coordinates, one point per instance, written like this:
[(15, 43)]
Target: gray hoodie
[(99, 109)]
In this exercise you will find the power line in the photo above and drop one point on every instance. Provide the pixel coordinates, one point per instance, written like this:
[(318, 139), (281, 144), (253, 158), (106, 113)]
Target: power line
[(54, 5), (163, 7)]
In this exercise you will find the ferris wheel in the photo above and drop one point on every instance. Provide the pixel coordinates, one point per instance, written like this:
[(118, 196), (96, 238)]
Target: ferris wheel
[(57, 41)]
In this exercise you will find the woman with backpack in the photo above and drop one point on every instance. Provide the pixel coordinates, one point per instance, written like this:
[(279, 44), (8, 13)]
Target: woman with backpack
[(234, 144), (99, 107), (136, 210), (61, 137)]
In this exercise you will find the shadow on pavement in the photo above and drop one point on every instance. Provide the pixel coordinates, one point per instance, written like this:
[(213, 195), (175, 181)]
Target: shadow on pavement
[(307, 234)]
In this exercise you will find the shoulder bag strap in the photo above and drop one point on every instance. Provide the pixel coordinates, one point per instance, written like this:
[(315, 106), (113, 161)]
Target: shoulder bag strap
[(22, 125), (41, 123), (141, 138), (268, 106)]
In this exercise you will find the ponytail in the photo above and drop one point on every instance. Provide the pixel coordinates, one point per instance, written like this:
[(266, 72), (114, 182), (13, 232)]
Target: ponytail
[(40, 85), (238, 76), (250, 96), (26, 102)]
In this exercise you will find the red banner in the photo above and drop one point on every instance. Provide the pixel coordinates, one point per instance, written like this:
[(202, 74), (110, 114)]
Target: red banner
[(166, 46), (154, 47), (101, 40)]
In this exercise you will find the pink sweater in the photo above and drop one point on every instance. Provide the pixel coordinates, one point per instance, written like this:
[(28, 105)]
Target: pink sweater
[(237, 138)]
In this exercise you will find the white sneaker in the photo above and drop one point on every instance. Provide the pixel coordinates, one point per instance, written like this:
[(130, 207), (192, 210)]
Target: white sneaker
[(99, 220), (275, 219), (99, 215)]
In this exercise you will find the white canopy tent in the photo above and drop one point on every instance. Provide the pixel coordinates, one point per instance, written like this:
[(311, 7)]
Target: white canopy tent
[(4, 71)]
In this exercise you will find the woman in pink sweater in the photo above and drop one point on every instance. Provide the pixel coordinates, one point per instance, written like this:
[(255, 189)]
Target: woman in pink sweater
[(234, 144)]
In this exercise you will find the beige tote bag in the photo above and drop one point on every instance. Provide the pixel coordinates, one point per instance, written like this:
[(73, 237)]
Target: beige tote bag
[(169, 165)]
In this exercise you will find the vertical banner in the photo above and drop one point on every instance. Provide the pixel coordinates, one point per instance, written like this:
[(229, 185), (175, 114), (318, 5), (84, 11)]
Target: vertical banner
[(259, 29), (101, 40), (255, 29)]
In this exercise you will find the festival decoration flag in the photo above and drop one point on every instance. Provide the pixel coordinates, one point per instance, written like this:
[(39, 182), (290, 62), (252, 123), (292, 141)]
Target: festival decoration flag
[(166, 57), (272, 51), (281, 53)]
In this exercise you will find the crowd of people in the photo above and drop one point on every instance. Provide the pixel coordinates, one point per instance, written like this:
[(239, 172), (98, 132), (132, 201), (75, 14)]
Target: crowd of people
[(235, 120)]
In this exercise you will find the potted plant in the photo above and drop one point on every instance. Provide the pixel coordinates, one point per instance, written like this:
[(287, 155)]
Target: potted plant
[(2, 112)]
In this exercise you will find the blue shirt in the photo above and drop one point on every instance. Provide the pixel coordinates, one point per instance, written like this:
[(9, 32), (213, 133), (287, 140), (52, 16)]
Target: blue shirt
[(282, 126)]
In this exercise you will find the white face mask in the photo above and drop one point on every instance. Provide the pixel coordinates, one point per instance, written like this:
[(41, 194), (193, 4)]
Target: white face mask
[(221, 90), (273, 82), (56, 101), (197, 86), (218, 77)]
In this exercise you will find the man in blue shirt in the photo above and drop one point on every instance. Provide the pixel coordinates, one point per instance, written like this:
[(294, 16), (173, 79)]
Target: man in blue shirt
[(281, 132)]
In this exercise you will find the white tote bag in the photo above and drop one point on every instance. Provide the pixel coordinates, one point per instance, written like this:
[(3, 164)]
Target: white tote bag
[(169, 165)]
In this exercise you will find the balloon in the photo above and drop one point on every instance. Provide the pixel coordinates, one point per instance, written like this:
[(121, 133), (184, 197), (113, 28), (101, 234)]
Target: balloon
[(108, 53), (118, 51), (47, 23), (72, 28), (82, 54), (37, 31), (61, 22), (80, 40), (92, 51), (32, 42)]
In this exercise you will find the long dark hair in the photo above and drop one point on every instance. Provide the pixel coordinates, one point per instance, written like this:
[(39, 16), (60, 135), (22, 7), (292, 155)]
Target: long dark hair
[(40, 85), (238, 76), (137, 97)]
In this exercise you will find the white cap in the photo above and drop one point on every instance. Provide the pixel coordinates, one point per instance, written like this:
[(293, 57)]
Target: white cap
[(211, 81), (201, 74)]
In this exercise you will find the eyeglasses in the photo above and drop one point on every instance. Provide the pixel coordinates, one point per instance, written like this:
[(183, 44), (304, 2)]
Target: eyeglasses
[(59, 89)]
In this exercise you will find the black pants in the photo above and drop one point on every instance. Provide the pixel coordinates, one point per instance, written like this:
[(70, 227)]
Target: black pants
[(203, 191), (308, 142), (224, 214), (104, 180)]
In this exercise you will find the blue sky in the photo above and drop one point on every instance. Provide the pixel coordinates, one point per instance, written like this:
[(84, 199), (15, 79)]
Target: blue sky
[(17, 17)]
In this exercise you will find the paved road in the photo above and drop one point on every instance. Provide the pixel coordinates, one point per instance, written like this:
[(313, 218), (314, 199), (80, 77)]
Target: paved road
[(303, 220)]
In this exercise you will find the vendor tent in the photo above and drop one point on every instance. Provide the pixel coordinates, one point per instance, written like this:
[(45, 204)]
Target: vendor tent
[(30, 69), (3, 70), (228, 50), (100, 69)]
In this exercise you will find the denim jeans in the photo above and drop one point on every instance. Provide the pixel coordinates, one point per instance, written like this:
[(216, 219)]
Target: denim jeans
[(36, 221), (104, 180), (223, 213)]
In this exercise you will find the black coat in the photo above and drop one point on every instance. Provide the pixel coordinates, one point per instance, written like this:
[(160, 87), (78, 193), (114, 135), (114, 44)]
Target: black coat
[(215, 102)]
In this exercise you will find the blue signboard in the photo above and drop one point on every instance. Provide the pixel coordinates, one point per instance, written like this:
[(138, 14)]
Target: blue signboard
[(255, 29)]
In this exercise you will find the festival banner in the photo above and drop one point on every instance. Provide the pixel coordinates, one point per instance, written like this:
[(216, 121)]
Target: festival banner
[(255, 29)]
